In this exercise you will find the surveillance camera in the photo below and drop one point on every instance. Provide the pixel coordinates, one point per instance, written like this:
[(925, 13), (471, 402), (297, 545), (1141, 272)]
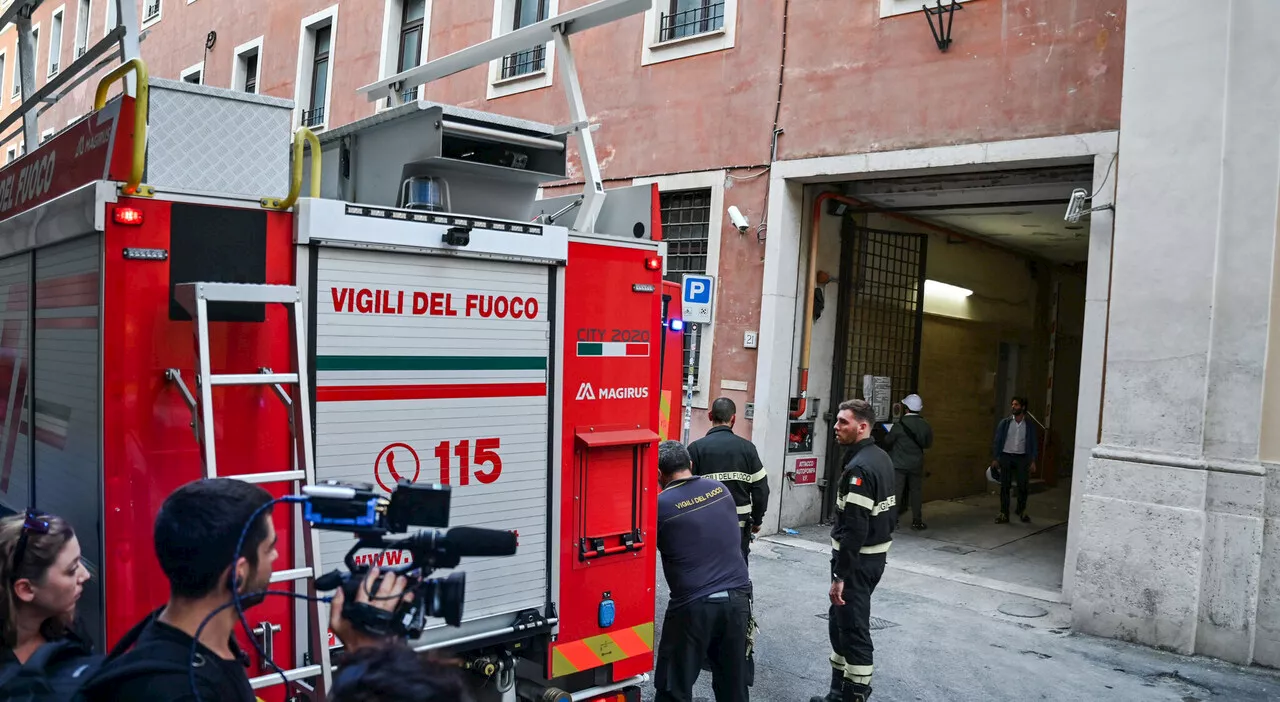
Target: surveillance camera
[(738, 219), (1075, 207)]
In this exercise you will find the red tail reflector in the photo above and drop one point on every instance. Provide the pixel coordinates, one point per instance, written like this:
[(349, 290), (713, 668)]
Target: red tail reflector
[(653, 263), (128, 216)]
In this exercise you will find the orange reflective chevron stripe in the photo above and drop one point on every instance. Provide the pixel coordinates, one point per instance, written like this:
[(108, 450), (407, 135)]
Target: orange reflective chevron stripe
[(631, 642), (595, 651), (572, 657)]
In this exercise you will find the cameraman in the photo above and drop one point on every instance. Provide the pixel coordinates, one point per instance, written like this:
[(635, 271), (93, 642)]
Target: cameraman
[(196, 533)]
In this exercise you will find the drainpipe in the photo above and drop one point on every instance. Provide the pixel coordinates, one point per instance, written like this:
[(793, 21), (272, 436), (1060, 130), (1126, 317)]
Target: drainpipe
[(806, 336)]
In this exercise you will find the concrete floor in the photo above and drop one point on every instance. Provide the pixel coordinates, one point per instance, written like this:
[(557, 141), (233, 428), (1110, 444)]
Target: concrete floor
[(963, 540), (949, 641)]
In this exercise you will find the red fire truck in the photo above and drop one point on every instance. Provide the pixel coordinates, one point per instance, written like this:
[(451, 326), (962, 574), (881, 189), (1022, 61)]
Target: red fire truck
[(174, 309)]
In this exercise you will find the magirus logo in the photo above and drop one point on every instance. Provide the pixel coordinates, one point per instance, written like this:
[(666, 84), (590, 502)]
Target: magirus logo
[(587, 392)]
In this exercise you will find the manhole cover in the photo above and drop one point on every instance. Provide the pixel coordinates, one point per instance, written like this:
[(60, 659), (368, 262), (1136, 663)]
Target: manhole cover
[(955, 549), (876, 622), (1022, 609)]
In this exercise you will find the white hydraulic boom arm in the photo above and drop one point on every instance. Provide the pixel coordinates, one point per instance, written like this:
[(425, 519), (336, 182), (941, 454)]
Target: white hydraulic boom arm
[(555, 29)]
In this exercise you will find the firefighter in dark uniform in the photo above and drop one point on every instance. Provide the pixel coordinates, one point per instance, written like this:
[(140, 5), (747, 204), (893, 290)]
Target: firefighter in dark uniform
[(860, 540), (728, 458), (709, 611)]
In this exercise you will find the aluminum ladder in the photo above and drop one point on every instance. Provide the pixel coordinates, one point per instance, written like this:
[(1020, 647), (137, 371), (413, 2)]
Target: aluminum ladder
[(195, 298)]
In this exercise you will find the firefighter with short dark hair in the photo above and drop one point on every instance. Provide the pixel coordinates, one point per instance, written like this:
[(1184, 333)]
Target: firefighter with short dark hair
[(860, 540), (709, 613), (728, 458)]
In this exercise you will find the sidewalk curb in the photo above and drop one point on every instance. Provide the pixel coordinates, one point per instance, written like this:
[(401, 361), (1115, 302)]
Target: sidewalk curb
[(1034, 593)]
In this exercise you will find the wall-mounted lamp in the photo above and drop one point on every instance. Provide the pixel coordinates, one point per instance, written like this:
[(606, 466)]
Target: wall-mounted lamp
[(941, 34), (933, 287)]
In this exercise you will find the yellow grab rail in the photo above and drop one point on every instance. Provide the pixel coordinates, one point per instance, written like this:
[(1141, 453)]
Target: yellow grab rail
[(303, 135), (141, 101)]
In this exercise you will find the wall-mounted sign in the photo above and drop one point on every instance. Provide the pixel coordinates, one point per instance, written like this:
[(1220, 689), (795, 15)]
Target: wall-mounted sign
[(806, 471), (878, 390)]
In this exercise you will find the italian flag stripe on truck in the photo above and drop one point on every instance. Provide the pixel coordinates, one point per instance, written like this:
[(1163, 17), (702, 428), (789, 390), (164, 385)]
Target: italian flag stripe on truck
[(611, 348)]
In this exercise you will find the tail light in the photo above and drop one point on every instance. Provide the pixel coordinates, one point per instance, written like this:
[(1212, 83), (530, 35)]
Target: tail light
[(128, 216)]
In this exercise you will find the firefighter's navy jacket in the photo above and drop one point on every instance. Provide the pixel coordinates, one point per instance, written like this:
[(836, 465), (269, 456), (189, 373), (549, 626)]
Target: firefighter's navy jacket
[(865, 516), (728, 458), (698, 540)]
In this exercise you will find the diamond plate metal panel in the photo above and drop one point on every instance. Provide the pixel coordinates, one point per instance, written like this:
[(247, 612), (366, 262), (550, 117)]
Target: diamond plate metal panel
[(215, 140)]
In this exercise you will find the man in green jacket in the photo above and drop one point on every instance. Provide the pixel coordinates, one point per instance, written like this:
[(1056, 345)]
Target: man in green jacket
[(906, 443)]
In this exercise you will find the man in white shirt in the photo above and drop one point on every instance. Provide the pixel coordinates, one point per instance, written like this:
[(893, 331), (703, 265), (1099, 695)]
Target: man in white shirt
[(1013, 452)]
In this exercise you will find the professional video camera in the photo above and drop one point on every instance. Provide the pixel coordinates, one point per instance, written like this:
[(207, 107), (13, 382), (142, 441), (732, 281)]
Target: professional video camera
[(356, 508)]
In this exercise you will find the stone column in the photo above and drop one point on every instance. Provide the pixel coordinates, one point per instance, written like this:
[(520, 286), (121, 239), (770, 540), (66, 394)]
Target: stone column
[(1171, 520)]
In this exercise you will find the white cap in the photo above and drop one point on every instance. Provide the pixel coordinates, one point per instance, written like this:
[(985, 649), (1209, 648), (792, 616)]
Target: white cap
[(913, 402)]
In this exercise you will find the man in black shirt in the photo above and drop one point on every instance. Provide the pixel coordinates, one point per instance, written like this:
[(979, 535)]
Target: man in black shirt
[(709, 612), (728, 458), (196, 533), (860, 540)]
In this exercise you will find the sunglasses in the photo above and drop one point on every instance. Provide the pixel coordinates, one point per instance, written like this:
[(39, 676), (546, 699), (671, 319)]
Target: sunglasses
[(36, 522)]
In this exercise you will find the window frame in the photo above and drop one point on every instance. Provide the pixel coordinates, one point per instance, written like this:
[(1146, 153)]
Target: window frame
[(504, 15), (35, 57), (713, 180), (110, 17), (84, 12), (239, 66), (305, 76), (15, 81), (4, 68), (59, 19), (894, 8), (655, 51), (192, 70), (142, 16), (391, 55)]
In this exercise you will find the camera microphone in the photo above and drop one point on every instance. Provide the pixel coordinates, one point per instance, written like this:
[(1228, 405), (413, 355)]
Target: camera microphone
[(474, 541)]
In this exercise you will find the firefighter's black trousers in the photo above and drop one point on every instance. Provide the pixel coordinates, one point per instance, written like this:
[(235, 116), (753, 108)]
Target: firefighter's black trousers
[(715, 629), (850, 625)]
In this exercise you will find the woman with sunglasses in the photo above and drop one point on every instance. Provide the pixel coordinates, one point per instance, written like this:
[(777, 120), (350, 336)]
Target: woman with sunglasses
[(41, 579)]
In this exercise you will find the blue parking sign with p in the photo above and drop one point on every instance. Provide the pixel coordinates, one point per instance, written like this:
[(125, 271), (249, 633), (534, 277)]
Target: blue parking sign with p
[(696, 295), (697, 290)]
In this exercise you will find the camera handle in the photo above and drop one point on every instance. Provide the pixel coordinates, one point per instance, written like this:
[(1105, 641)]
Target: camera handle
[(365, 616)]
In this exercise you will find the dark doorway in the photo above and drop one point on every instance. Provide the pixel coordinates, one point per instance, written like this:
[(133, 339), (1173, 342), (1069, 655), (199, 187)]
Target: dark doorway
[(881, 311)]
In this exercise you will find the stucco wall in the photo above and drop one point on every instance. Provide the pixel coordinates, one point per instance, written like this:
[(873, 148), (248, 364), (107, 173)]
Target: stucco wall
[(1179, 468)]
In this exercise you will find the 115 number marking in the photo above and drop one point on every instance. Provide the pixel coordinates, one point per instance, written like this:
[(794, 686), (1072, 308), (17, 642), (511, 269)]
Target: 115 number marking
[(486, 454)]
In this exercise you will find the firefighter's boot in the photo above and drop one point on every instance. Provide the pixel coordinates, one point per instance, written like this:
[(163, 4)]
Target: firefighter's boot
[(837, 683), (854, 692)]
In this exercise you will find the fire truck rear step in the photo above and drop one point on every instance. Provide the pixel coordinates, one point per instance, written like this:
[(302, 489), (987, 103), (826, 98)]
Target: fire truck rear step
[(195, 299)]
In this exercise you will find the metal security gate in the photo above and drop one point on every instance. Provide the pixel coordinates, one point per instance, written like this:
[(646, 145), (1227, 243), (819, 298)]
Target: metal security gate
[(881, 311)]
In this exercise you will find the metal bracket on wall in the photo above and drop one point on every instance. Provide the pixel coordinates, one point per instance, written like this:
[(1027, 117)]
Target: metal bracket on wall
[(942, 36)]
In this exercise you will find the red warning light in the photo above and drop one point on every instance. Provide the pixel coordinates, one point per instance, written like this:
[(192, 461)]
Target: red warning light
[(129, 216), (653, 263)]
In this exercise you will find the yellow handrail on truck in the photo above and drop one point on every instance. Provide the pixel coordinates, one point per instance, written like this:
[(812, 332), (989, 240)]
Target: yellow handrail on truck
[(303, 135), (133, 185)]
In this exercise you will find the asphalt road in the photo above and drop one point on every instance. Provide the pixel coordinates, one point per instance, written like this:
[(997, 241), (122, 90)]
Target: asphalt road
[(951, 642)]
